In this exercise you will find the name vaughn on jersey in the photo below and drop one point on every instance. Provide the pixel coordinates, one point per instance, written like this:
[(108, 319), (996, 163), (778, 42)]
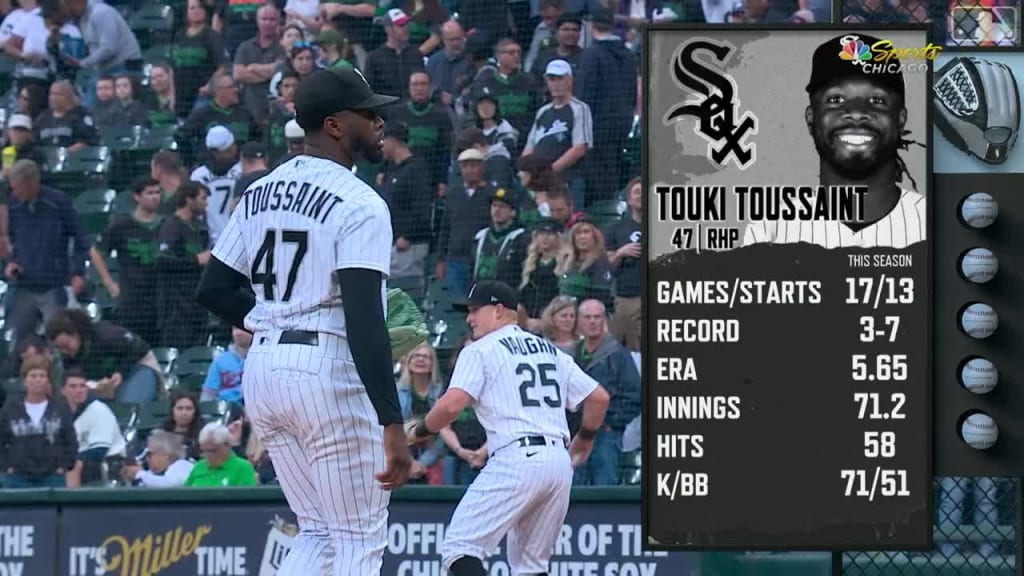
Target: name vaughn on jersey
[(289, 196), (739, 292)]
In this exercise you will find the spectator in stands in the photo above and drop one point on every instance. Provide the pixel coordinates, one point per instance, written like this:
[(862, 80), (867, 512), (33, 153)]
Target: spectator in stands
[(354, 19), (566, 46), (33, 346), (15, 12), (430, 127), (65, 44), (425, 20), (112, 45), (479, 50), (500, 249), (517, 92), (225, 110), (218, 174), (561, 207), (32, 100), (545, 33), (498, 168), (607, 84), (43, 225), (290, 36), (405, 186), (303, 14), (99, 435), (220, 465), (762, 11), (198, 55), (334, 49), (165, 168), (466, 440), (224, 378), (254, 166), (184, 252), (587, 273), (495, 128), (296, 138), (282, 110), (38, 445), (389, 66), (26, 47), (129, 111), (166, 459), (66, 123), (19, 137), (301, 61), (104, 111), (490, 17), (535, 180), (467, 210), (601, 356), (539, 281), (163, 107), (447, 67), (563, 130), (419, 387), (256, 61), (625, 237), (134, 239), (121, 364), (185, 421), (559, 325)]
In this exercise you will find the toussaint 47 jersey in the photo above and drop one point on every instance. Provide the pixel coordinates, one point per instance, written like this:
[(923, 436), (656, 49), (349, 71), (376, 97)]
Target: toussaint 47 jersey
[(522, 385), (220, 187), (291, 230)]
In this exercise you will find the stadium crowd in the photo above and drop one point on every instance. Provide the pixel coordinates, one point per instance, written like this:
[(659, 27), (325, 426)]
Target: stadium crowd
[(132, 127)]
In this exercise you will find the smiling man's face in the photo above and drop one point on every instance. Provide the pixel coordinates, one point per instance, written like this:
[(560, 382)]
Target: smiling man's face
[(856, 125)]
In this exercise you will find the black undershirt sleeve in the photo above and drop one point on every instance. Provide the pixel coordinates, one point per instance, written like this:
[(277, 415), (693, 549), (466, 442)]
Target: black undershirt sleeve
[(222, 290), (371, 351)]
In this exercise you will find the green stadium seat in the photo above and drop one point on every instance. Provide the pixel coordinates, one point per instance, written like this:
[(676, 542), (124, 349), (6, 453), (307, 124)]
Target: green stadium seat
[(124, 202), (191, 382), (152, 24), (438, 297), (195, 360), (93, 207), (166, 357), (74, 172), (13, 386), (154, 414), (414, 286), (157, 53), (127, 414), (215, 411)]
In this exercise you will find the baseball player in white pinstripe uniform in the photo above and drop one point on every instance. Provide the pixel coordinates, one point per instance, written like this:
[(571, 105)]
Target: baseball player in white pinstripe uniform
[(520, 385), (314, 244), (856, 117)]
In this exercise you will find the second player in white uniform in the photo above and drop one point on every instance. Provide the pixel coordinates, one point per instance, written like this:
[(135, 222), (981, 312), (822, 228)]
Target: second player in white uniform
[(219, 174), (314, 243), (519, 385)]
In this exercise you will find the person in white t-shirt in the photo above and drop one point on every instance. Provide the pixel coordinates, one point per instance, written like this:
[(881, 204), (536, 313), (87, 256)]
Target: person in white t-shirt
[(168, 467), (99, 434)]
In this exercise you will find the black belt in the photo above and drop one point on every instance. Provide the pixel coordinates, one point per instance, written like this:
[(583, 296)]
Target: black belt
[(301, 337), (537, 441)]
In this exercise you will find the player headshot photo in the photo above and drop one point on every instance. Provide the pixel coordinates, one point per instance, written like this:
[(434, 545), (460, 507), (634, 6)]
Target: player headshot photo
[(856, 116)]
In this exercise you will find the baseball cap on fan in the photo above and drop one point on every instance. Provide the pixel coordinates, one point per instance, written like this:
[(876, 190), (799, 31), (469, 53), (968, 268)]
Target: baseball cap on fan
[(488, 293), (393, 17), (558, 67), (324, 93), (844, 56), (219, 138)]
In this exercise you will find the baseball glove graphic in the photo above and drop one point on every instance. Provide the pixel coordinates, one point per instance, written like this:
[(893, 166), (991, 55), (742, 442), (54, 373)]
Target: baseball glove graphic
[(977, 107), (405, 323)]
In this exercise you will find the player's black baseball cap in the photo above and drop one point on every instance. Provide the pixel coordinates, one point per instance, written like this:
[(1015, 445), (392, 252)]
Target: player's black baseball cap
[(489, 293), (841, 58), (253, 151), (327, 92)]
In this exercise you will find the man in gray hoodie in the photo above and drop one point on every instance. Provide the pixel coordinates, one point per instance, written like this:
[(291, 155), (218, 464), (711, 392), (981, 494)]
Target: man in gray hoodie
[(604, 359), (113, 48)]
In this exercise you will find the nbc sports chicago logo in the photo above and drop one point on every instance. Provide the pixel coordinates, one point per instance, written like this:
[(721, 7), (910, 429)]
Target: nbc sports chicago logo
[(878, 57)]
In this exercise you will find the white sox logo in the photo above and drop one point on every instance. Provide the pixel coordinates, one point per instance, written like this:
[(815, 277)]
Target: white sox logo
[(716, 107)]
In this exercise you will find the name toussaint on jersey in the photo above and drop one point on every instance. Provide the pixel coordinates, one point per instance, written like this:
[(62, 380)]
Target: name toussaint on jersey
[(303, 198)]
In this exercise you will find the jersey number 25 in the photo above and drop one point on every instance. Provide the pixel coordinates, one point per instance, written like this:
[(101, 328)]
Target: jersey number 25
[(263, 271), (544, 375)]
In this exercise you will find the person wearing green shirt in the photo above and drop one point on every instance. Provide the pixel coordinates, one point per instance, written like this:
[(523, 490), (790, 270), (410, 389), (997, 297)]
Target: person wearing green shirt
[(334, 49), (220, 466)]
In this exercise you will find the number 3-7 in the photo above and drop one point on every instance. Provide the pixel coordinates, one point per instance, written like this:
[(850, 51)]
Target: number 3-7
[(552, 398)]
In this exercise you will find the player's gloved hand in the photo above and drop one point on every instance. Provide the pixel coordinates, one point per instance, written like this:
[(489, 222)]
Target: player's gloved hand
[(579, 450), (396, 452)]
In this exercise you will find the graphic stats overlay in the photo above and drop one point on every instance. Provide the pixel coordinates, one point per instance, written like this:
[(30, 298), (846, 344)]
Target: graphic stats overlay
[(787, 353)]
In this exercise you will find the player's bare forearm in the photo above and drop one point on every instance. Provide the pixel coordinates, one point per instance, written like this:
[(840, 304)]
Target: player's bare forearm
[(98, 262), (371, 351), (221, 292), (594, 409)]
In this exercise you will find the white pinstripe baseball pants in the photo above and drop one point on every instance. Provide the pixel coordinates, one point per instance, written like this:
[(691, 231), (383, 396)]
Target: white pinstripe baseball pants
[(308, 406), (523, 492)]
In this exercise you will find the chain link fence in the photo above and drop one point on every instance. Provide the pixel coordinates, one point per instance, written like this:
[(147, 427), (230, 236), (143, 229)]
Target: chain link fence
[(975, 534), (956, 23)]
